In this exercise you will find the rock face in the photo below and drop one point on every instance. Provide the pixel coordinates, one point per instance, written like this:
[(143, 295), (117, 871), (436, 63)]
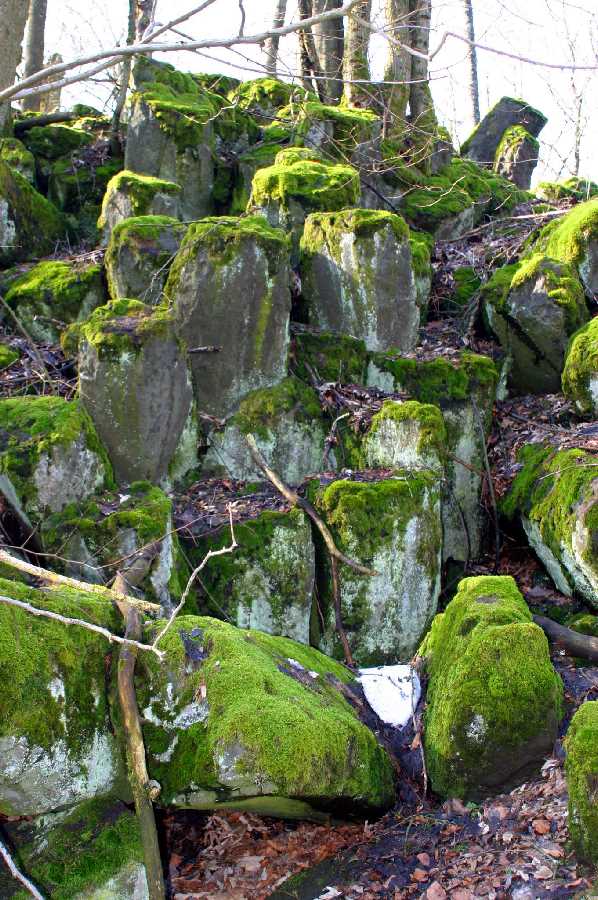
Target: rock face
[(29, 224), (129, 194), (135, 384), (517, 156), (229, 289), (580, 375), (55, 292), (533, 308), (581, 768), (483, 144), (69, 753), (494, 699), (556, 496), (357, 277), (268, 583), (290, 431), (51, 455), (206, 745), (406, 435), (139, 255), (393, 527)]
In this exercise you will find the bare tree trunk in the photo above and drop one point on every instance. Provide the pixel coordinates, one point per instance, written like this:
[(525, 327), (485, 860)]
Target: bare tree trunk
[(13, 16), (329, 45), (310, 65), (144, 16), (398, 66), (34, 46), (424, 126), (125, 76), (473, 89), (356, 66), (271, 46)]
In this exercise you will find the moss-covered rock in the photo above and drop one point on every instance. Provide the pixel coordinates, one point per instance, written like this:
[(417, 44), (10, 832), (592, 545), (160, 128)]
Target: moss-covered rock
[(584, 623), (357, 277), (267, 583), (466, 283), (421, 252), (556, 496), (265, 96), (517, 156), (135, 383), (576, 188), (393, 527), (533, 307), (50, 455), (508, 112), (29, 224), (206, 744), (335, 130), (574, 240), (16, 155), (333, 357), (139, 255), (129, 194), (494, 700), (56, 743), (229, 289), (110, 531), (54, 294), (289, 427), (408, 435), (581, 769), (580, 375), (8, 355), (78, 186), (53, 141)]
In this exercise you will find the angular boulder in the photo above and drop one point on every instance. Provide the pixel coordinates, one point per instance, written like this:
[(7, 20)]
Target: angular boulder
[(289, 427), (407, 435), (129, 194), (482, 144), (29, 224), (229, 293), (581, 769), (139, 255), (533, 307), (392, 526), (135, 384), (555, 494), (50, 456), (54, 294), (494, 701), (517, 156), (357, 277), (580, 375), (242, 718), (336, 131), (574, 240)]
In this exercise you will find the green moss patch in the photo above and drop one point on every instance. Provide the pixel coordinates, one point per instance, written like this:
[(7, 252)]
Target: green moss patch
[(36, 223), (140, 189), (581, 368), (261, 409), (315, 185), (53, 141), (123, 325), (581, 769), (8, 355), (439, 380), (334, 357), (567, 239)]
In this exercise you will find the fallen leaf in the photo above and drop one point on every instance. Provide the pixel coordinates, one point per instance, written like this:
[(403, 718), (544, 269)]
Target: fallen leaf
[(423, 858), (543, 873), (436, 892), (541, 826), (419, 875)]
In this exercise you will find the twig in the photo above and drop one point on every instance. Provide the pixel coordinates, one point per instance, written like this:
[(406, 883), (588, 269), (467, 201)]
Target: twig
[(18, 876), (331, 437), (480, 425), (98, 589), (67, 620)]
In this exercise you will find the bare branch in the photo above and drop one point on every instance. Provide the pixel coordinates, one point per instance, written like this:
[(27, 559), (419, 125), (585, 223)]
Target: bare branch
[(18, 876)]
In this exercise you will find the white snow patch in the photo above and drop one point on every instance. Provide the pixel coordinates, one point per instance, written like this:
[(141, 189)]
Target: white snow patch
[(393, 692)]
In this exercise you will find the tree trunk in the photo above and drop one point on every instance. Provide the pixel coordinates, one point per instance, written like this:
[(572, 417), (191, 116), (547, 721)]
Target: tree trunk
[(271, 46), (125, 75), (329, 44), (310, 65), (398, 66), (144, 16), (473, 89), (13, 16), (356, 66), (34, 47), (424, 126)]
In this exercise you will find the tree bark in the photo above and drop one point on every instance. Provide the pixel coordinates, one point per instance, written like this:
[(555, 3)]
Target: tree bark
[(356, 66), (125, 75), (398, 66), (144, 16), (34, 47), (422, 119), (575, 644), (310, 65), (271, 45), (13, 17), (329, 46), (473, 89)]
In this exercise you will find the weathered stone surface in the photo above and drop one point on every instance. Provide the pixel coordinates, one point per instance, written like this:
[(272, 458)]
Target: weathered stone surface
[(139, 255), (581, 768), (129, 194), (57, 746), (556, 497), (290, 431), (14, 153), (357, 277), (331, 356), (517, 156), (29, 224), (580, 375), (533, 308), (50, 456), (574, 240), (464, 387), (494, 700), (206, 745), (135, 384), (229, 288), (482, 144), (408, 435), (54, 294), (394, 527), (267, 583)]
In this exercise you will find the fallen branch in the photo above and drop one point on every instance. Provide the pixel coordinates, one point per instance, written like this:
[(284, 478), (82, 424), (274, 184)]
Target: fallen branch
[(581, 645), (18, 876), (47, 119), (99, 590)]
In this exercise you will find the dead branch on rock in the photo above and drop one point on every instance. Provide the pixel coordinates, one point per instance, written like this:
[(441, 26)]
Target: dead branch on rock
[(54, 579), (17, 875), (334, 553), (576, 644)]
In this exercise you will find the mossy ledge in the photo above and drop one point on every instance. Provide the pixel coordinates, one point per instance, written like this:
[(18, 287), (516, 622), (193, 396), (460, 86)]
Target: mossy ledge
[(581, 768)]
